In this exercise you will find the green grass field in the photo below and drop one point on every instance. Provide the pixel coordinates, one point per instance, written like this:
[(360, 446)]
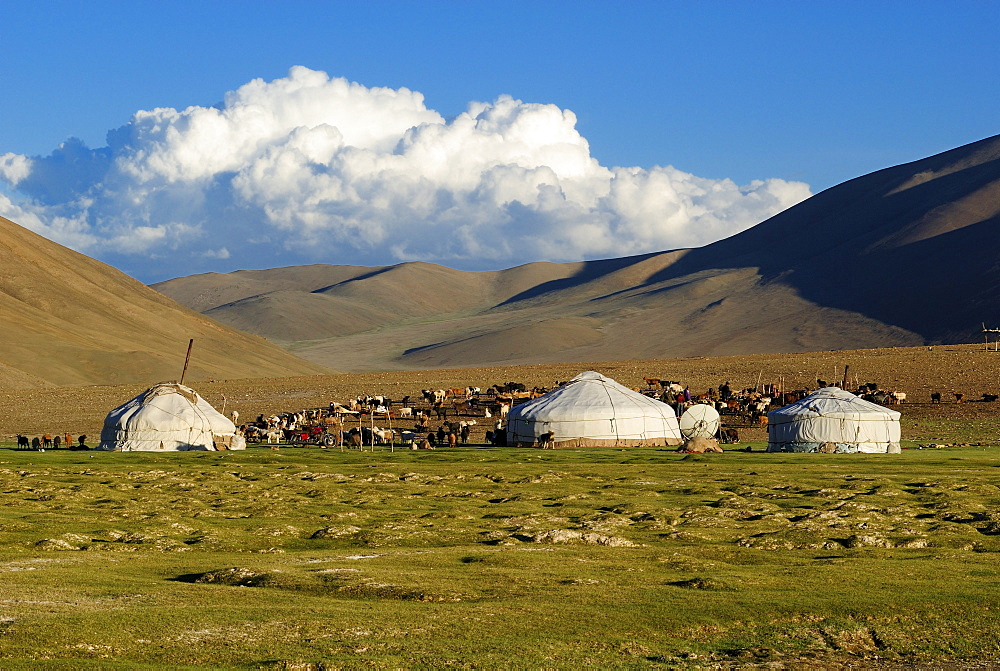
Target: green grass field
[(498, 557)]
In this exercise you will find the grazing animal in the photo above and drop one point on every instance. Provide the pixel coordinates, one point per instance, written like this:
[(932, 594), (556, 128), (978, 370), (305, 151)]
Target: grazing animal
[(463, 407), (452, 439), (56, 441), (935, 397), (235, 415), (959, 397), (22, 441), (729, 436), (36, 443), (990, 398), (546, 440), (652, 382), (406, 412), (464, 434), (46, 440), (700, 445), (504, 409)]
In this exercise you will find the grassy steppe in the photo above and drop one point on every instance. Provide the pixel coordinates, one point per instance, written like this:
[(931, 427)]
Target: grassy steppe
[(498, 557)]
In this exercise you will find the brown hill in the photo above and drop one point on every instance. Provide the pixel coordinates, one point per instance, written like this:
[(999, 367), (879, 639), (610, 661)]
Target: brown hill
[(70, 320), (903, 256)]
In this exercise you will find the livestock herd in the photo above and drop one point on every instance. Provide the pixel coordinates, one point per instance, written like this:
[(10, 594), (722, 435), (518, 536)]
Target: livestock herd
[(48, 441), (367, 421)]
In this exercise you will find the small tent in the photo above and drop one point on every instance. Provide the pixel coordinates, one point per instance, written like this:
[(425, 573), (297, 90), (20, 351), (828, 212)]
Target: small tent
[(834, 420), (168, 417), (593, 410)]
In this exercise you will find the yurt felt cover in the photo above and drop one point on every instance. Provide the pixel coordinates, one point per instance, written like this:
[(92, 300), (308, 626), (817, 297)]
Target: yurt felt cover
[(167, 417), (832, 415), (593, 410)]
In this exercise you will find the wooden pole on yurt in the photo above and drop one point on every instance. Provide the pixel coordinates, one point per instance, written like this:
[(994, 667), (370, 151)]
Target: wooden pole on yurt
[(187, 359), (846, 368)]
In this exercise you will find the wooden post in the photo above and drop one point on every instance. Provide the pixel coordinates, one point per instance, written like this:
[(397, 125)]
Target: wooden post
[(846, 368), (392, 438), (186, 360)]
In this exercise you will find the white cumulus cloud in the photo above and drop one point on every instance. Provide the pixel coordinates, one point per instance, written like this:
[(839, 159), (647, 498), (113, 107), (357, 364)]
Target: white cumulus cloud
[(308, 168)]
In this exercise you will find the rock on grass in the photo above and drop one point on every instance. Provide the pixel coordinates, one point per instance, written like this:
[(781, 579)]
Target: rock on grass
[(580, 538)]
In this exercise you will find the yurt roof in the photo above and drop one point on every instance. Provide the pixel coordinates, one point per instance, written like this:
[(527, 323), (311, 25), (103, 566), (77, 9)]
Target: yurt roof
[(597, 397), (832, 402)]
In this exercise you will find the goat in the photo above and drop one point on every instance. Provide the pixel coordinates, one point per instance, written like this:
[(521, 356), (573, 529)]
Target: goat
[(729, 436), (546, 440)]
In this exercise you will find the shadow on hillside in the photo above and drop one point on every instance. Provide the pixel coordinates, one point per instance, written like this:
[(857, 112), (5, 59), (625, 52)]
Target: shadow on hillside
[(590, 271)]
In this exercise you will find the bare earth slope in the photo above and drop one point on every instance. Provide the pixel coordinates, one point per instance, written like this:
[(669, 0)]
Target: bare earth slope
[(904, 256), (69, 320)]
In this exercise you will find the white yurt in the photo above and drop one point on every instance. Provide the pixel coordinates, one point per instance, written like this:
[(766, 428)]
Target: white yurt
[(594, 411), (168, 417), (832, 420)]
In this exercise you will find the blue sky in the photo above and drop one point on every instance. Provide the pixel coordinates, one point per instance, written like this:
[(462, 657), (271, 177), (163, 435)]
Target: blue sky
[(813, 92)]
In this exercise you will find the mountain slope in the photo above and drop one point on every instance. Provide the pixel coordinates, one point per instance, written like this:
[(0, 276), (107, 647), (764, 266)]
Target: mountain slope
[(903, 256), (69, 320)]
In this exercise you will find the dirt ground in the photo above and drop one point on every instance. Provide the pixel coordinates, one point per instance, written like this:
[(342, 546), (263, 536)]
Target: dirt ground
[(917, 371)]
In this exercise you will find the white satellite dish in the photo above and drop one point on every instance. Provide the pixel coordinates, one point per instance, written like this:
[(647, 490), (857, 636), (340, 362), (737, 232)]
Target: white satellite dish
[(699, 421)]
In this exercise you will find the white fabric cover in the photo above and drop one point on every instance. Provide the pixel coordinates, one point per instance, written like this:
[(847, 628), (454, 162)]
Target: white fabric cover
[(593, 410), (832, 415), (167, 417)]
